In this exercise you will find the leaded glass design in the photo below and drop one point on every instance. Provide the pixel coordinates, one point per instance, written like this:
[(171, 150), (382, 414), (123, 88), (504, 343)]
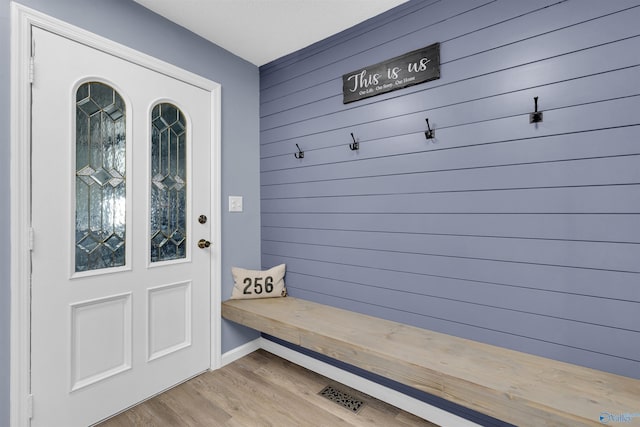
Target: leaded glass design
[(168, 183), (100, 178)]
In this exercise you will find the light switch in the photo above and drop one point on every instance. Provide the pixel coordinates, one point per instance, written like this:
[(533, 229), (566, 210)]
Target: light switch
[(235, 203)]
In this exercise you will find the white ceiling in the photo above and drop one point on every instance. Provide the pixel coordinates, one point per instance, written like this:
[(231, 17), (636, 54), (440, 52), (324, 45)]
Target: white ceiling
[(263, 30)]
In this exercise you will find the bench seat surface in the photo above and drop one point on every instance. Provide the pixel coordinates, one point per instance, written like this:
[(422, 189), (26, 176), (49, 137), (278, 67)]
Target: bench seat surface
[(516, 387)]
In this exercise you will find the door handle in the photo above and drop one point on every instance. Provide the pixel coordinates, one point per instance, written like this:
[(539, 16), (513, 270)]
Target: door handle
[(202, 243)]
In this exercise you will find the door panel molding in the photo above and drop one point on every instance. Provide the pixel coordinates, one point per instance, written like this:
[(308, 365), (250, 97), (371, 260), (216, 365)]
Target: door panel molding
[(90, 320), (168, 332), (22, 239)]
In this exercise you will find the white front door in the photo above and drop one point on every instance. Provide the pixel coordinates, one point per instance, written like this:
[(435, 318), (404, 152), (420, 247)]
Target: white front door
[(121, 196)]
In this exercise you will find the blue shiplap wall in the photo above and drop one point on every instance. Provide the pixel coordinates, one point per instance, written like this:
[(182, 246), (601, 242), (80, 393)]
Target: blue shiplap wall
[(519, 235)]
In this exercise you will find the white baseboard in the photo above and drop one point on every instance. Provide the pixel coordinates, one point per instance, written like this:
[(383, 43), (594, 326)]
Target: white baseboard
[(239, 352), (385, 394)]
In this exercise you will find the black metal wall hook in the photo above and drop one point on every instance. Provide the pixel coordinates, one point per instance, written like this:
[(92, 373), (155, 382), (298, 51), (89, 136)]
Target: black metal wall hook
[(429, 133), (536, 116), (355, 145), (299, 154)]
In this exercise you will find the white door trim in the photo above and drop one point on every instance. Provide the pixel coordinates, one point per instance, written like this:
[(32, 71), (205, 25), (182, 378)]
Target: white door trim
[(22, 20)]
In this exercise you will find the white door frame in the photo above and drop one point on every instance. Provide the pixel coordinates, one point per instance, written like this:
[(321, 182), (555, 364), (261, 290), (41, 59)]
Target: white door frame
[(22, 20)]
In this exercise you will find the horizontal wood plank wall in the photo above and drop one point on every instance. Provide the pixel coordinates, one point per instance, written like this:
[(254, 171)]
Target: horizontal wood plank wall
[(521, 235)]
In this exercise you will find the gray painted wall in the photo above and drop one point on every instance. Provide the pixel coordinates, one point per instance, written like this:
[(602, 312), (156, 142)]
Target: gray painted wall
[(519, 235), (128, 23)]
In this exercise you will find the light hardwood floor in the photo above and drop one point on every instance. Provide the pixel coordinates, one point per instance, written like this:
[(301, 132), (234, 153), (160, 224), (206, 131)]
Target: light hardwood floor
[(260, 389)]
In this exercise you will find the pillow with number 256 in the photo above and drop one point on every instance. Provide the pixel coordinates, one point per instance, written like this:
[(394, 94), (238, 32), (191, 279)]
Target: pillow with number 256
[(258, 284)]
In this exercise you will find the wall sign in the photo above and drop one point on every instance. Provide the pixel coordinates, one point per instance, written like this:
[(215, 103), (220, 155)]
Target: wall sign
[(412, 68)]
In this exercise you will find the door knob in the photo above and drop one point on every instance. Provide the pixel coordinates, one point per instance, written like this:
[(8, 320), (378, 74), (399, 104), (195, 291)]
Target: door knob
[(202, 243)]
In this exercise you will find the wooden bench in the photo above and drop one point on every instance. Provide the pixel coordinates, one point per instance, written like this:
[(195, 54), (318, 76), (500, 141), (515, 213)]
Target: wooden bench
[(519, 388)]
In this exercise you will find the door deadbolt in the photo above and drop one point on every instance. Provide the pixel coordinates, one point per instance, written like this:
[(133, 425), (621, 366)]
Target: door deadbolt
[(202, 219), (202, 243)]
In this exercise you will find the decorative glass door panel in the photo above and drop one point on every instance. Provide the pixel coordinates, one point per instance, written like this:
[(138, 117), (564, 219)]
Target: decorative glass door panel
[(168, 183), (100, 227)]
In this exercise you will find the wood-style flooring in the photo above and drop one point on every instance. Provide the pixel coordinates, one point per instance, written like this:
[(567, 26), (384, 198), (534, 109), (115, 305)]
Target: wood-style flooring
[(258, 390)]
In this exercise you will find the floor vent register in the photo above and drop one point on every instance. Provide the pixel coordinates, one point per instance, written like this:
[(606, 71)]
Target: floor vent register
[(343, 399)]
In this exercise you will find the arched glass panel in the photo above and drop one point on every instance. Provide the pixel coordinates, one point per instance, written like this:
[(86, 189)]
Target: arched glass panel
[(168, 183), (100, 178)]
